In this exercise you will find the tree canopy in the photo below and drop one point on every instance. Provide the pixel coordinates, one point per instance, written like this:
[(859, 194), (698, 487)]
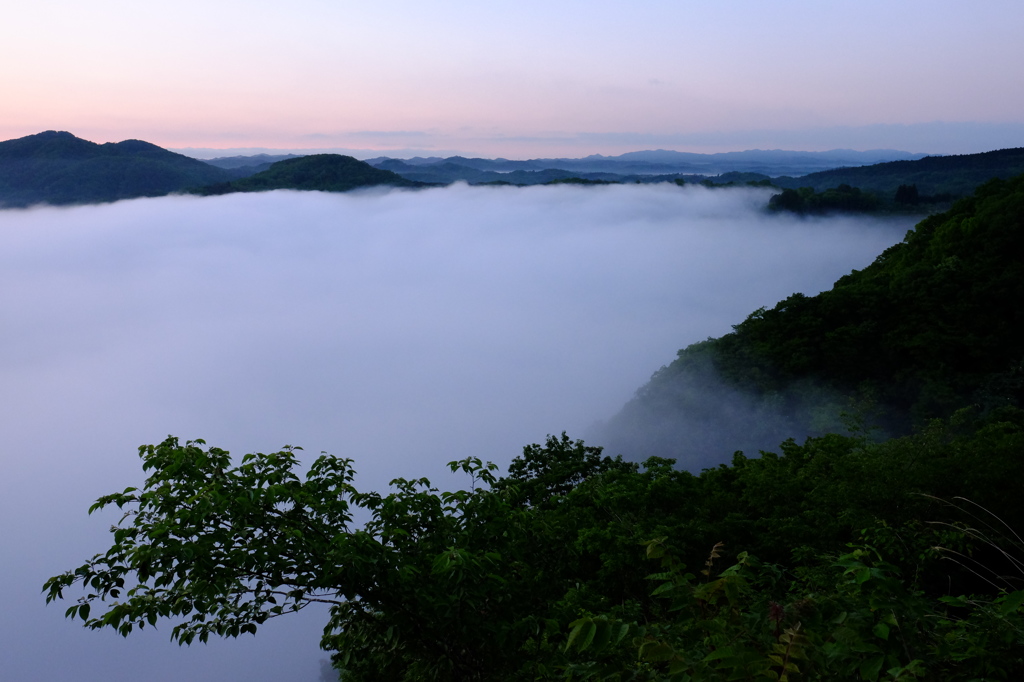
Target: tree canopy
[(933, 325), (541, 574)]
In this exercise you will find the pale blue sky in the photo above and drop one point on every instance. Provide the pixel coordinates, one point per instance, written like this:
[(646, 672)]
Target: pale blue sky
[(517, 79)]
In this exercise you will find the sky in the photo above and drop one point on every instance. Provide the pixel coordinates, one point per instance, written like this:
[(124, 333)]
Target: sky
[(401, 329), (406, 330), (518, 80)]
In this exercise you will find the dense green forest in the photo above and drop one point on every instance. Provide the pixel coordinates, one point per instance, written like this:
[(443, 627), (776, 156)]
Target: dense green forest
[(931, 326), (853, 555), (922, 185), (843, 199), (955, 175)]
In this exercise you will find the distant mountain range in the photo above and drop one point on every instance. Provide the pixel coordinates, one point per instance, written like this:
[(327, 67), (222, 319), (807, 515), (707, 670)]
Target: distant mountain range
[(956, 176), (58, 168), (260, 161), (948, 177), (658, 162)]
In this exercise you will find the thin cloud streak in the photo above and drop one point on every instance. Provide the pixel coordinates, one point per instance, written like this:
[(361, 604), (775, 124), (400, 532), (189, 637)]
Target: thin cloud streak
[(403, 329)]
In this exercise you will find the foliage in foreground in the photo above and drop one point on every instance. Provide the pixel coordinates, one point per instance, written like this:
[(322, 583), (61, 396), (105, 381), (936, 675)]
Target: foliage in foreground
[(541, 574)]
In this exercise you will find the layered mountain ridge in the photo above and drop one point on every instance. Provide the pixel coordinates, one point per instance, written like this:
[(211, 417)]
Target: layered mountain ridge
[(57, 168)]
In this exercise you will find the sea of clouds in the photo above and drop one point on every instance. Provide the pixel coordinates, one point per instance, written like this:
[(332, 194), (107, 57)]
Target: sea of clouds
[(401, 329)]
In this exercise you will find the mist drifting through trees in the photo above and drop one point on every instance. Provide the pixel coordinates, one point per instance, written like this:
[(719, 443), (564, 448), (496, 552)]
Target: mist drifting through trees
[(402, 329)]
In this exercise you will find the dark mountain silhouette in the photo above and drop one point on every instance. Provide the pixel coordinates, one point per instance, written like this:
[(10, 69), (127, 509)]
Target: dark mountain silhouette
[(643, 163), (261, 161), (323, 172), (956, 175), (58, 168), (944, 177), (455, 170)]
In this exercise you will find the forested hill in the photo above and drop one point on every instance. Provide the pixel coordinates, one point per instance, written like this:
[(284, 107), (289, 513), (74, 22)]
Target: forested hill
[(58, 168), (933, 325), (323, 172), (955, 175)]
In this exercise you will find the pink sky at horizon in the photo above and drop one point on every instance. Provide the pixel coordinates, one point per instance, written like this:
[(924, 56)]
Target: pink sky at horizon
[(533, 79)]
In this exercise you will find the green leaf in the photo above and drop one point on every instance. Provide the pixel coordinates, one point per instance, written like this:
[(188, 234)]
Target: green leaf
[(587, 636), (602, 635), (655, 550), (721, 652), (1011, 602), (881, 630), (870, 668), (662, 589), (574, 634), (656, 652)]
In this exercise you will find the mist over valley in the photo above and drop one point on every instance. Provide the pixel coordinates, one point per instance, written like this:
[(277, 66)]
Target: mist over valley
[(402, 329), (557, 342)]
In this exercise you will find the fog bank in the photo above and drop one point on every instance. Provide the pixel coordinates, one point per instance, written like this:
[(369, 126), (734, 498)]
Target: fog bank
[(402, 329)]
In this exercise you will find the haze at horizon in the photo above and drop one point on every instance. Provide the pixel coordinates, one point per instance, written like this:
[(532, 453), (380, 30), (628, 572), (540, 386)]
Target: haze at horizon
[(530, 80)]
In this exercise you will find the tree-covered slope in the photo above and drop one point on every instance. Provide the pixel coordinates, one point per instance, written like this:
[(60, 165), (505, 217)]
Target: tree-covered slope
[(934, 324), (828, 561), (59, 168), (323, 172), (955, 175)]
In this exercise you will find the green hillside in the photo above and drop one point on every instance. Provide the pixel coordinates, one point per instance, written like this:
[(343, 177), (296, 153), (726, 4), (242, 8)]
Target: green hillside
[(933, 325), (955, 175), (322, 172), (59, 168)]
